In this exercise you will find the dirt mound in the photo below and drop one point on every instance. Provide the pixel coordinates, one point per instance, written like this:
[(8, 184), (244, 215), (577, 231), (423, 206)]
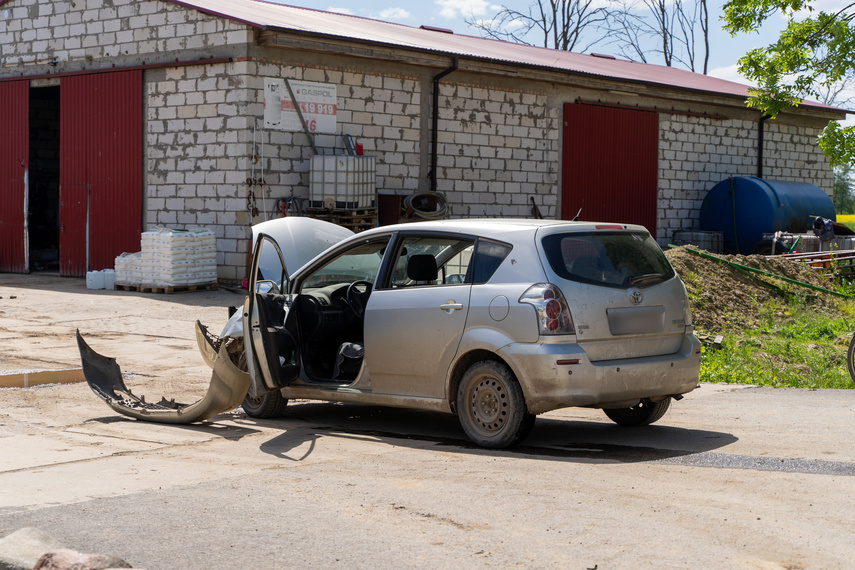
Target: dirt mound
[(724, 297)]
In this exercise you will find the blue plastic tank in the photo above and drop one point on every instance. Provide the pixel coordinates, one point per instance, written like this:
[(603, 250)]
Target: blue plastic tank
[(746, 207)]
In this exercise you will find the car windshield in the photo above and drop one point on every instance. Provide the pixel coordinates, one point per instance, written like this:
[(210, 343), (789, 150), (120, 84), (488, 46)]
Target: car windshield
[(359, 263), (610, 259)]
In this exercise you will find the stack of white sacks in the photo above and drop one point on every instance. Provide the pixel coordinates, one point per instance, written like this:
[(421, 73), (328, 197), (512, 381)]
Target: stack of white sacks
[(170, 258)]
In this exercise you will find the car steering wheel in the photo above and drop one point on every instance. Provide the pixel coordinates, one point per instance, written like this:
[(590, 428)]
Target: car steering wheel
[(356, 301)]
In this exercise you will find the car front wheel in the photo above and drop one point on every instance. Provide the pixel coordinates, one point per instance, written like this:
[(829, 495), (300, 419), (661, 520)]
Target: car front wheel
[(642, 414), (270, 405), (491, 406)]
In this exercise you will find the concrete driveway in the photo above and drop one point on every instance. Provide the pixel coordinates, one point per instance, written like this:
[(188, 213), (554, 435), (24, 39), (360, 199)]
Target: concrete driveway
[(731, 477)]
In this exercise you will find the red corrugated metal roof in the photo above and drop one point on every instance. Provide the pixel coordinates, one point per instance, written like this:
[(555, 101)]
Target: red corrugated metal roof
[(269, 15)]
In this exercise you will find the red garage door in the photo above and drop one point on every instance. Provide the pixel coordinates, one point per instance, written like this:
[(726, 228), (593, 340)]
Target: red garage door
[(14, 163), (100, 169), (610, 165)]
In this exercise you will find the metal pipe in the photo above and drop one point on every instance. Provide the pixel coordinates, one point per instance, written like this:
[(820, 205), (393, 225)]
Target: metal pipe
[(434, 144), (763, 119), (300, 116)]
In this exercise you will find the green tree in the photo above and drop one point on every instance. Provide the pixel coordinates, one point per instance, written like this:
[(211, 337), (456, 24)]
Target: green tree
[(844, 201), (815, 52)]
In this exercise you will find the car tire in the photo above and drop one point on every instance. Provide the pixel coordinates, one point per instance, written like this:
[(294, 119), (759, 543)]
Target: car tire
[(642, 414), (491, 406), (270, 405), (850, 359)]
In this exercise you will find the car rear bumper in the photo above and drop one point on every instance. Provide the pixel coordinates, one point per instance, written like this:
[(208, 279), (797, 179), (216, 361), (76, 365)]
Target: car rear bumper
[(560, 375)]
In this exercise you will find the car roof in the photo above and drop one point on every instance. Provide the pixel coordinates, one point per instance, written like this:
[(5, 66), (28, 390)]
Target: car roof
[(501, 228)]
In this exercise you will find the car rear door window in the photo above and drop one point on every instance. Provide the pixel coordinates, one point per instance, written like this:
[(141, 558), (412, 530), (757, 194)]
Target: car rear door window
[(432, 260)]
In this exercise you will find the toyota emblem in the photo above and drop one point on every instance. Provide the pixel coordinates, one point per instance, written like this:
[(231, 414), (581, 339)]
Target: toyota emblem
[(635, 296)]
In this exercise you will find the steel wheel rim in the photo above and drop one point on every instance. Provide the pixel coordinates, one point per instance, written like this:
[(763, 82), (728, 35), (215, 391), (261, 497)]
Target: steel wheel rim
[(255, 402), (488, 405)]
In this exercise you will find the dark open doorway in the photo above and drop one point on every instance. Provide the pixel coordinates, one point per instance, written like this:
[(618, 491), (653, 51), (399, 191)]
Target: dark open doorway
[(43, 195)]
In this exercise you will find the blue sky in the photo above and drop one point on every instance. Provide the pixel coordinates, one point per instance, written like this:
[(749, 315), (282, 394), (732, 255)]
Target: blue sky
[(725, 50)]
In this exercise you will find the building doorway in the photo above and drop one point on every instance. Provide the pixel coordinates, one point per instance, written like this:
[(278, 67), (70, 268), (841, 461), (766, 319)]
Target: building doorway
[(43, 194)]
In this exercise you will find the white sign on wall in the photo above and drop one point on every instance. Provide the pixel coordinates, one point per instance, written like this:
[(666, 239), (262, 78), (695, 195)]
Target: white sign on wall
[(317, 103)]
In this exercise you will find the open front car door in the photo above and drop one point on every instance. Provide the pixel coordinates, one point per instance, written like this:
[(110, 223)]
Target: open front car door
[(272, 347)]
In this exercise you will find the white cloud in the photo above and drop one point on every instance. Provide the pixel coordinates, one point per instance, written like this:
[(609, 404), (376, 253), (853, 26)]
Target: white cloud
[(395, 14), (729, 73), (340, 10), (464, 8)]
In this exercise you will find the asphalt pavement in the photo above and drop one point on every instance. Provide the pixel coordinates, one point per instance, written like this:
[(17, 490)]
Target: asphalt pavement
[(731, 477)]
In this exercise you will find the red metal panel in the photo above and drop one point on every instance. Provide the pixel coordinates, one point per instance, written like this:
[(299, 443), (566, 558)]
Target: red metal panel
[(14, 164), (611, 165), (116, 167), (74, 118), (101, 169)]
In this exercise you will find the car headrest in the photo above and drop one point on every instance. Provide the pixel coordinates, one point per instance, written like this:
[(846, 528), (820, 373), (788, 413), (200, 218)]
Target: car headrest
[(422, 267)]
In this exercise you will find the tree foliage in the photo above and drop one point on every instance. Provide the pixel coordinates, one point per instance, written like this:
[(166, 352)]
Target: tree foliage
[(813, 54), (844, 201)]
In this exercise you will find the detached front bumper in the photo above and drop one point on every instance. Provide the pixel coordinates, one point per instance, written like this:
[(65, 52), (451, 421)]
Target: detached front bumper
[(577, 381), (228, 387)]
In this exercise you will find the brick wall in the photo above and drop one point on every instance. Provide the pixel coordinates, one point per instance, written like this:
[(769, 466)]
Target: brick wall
[(380, 111), (76, 34), (696, 153), (198, 145), (499, 143), (205, 139), (498, 148)]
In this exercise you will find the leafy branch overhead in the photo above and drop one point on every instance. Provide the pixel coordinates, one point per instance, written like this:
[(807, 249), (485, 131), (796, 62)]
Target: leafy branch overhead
[(813, 54)]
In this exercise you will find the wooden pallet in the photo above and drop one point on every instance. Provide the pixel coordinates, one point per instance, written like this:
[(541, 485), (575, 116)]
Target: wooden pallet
[(353, 219), (170, 289)]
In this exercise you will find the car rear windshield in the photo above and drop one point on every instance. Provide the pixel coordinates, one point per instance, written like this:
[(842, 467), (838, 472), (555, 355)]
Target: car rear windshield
[(609, 259)]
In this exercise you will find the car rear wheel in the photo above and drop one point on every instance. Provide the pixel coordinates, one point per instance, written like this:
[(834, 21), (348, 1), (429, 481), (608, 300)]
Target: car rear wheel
[(491, 406), (270, 405), (642, 414)]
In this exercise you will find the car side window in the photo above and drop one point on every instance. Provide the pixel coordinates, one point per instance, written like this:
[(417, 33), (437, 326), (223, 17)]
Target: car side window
[(359, 263), (432, 260), (488, 258)]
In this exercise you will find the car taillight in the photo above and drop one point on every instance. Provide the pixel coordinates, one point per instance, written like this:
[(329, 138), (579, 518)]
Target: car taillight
[(553, 315)]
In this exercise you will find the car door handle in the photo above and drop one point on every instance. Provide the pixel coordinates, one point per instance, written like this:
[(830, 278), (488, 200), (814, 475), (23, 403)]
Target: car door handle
[(450, 305)]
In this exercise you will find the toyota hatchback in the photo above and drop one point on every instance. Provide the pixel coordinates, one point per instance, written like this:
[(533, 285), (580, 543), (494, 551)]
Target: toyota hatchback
[(495, 321)]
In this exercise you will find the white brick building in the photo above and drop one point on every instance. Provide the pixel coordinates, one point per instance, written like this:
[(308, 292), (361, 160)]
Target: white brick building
[(164, 104)]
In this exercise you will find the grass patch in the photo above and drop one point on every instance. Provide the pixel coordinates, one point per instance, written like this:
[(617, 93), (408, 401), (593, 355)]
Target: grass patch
[(795, 346)]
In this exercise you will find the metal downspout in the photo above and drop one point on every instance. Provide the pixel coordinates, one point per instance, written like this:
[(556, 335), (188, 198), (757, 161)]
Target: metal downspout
[(763, 119), (434, 144)]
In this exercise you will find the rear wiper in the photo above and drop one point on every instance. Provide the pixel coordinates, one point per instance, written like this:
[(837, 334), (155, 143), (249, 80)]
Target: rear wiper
[(639, 278)]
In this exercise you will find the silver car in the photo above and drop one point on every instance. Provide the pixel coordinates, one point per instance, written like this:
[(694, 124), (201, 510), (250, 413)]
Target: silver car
[(495, 321)]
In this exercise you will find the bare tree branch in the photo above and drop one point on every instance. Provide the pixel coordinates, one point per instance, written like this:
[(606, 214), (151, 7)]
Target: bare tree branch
[(561, 24), (669, 29)]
